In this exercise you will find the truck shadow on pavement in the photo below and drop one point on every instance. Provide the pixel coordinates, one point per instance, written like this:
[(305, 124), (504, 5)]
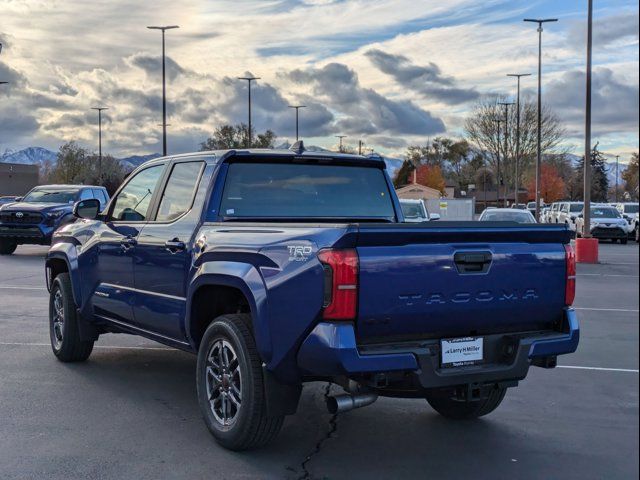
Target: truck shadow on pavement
[(145, 402)]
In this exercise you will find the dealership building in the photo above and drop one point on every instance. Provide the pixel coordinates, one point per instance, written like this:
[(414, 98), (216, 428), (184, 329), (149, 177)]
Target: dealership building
[(17, 179)]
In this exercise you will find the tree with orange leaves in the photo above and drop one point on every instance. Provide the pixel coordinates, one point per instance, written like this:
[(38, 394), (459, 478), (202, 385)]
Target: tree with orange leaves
[(552, 187), (431, 176)]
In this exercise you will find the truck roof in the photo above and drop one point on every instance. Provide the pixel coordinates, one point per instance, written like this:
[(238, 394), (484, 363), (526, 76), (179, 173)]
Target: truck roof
[(67, 185), (297, 151)]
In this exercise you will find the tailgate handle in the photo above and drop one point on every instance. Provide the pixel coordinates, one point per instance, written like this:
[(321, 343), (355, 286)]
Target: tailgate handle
[(472, 262)]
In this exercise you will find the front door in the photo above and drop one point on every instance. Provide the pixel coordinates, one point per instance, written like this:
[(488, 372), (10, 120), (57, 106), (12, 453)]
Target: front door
[(114, 293), (163, 253)]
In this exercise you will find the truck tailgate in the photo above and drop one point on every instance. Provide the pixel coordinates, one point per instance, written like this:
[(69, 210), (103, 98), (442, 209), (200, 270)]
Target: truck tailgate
[(458, 280)]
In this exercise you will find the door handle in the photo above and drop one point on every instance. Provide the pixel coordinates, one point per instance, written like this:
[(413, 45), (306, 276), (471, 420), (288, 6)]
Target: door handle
[(174, 245), (472, 262), (128, 242)]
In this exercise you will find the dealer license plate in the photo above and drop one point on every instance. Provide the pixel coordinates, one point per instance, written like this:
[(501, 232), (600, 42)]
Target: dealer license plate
[(458, 352)]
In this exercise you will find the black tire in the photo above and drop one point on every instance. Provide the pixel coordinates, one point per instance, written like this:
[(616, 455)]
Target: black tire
[(637, 235), (65, 337), (7, 247), (624, 241), (445, 405), (250, 426)]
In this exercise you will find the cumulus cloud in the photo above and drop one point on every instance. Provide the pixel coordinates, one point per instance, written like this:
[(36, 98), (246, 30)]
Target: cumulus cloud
[(425, 79), (362, 110), (614, 103), (606, 30)]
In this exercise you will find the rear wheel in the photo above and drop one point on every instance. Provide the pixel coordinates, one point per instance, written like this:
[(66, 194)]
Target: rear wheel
[(63, 323), (624, 241), (447, 406), (7, 247), (231, 386)]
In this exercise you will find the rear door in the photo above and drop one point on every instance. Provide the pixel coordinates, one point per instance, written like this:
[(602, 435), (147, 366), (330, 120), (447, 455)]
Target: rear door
[(459, 282), (111, 272), (163, 252)]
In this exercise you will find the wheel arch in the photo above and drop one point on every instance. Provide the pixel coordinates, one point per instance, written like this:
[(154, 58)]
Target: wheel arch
[(61, 259), (222, 287)]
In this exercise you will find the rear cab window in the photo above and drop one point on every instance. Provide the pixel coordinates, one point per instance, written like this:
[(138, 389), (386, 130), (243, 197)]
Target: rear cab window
[(285, 191), (177, 197)]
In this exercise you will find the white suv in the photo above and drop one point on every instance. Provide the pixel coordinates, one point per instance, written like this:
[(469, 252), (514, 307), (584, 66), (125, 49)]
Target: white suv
[(568, 213), (414, 211), (629, 211), (606, 224)]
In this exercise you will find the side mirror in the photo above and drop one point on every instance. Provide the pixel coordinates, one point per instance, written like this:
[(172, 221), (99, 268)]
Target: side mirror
[(581, 216), (434, 216), (89, 208), (17, 199)]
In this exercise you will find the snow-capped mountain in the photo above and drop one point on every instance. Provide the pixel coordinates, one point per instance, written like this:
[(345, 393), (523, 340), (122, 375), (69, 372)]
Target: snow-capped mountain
[(29, 156), (41, 156), (137, 160)]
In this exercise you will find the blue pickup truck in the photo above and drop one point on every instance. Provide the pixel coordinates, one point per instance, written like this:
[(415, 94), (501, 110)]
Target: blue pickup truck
[(32, 219), (283, 267)]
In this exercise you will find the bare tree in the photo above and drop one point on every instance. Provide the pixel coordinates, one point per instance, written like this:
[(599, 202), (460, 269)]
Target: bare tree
[(481, 129)]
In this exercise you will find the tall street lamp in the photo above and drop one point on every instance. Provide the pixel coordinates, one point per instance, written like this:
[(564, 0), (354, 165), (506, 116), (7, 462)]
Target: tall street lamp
[(506, 138), (617, 166), (249, 80), (164, 88), (297, 107), (498, 122), (517, 179), (340, 137), (99, 109), (539, 152)]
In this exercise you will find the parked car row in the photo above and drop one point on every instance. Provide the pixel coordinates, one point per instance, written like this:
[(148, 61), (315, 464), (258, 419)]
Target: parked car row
[(32, 219), (610, 221)]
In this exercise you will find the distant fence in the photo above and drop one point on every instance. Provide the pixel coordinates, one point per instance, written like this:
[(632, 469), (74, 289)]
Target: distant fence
[(452, 209)]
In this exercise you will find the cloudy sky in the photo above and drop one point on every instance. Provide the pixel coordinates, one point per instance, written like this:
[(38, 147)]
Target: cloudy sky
[(389, 72)]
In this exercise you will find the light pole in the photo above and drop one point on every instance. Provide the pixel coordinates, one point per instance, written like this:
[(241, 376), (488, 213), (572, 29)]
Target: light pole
[(617, 165), (340, 137), (506, 138), (517, 179), (539, 152), (297, 107), (498, 121), (99, 109), (164, 88), (249, 80)]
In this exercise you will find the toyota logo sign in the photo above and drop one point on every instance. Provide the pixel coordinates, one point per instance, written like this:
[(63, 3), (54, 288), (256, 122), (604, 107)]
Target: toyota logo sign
[(19, 214)]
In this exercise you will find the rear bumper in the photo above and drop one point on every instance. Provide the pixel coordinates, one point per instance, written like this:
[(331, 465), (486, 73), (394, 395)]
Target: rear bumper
[(331, 350)]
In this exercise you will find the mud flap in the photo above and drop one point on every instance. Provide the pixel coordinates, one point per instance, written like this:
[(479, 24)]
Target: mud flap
[(282, 399)]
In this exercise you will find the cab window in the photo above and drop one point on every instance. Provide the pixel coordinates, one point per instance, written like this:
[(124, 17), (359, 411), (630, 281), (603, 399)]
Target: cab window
[(178, 194), (132, 202), (85, 194)]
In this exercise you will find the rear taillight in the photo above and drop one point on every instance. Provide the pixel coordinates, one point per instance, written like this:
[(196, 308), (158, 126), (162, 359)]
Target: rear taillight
[(570, 289), (340, 283)]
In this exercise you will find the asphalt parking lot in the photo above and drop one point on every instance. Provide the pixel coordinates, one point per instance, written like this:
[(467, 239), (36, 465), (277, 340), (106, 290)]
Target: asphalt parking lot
[(131, 410)]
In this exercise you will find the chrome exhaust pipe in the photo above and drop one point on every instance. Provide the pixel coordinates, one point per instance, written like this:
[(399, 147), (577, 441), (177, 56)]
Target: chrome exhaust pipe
[(344, 403)]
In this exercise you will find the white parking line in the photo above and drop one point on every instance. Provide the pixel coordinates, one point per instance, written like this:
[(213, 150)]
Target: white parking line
[(573, 367), (20, 287), (604, 275), (113, 347), (606, 309)]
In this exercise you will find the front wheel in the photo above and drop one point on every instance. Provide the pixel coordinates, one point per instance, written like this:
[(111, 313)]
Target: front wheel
[(447, 406), (624, 241), (7, 247), (230, 385), (63, 323)]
